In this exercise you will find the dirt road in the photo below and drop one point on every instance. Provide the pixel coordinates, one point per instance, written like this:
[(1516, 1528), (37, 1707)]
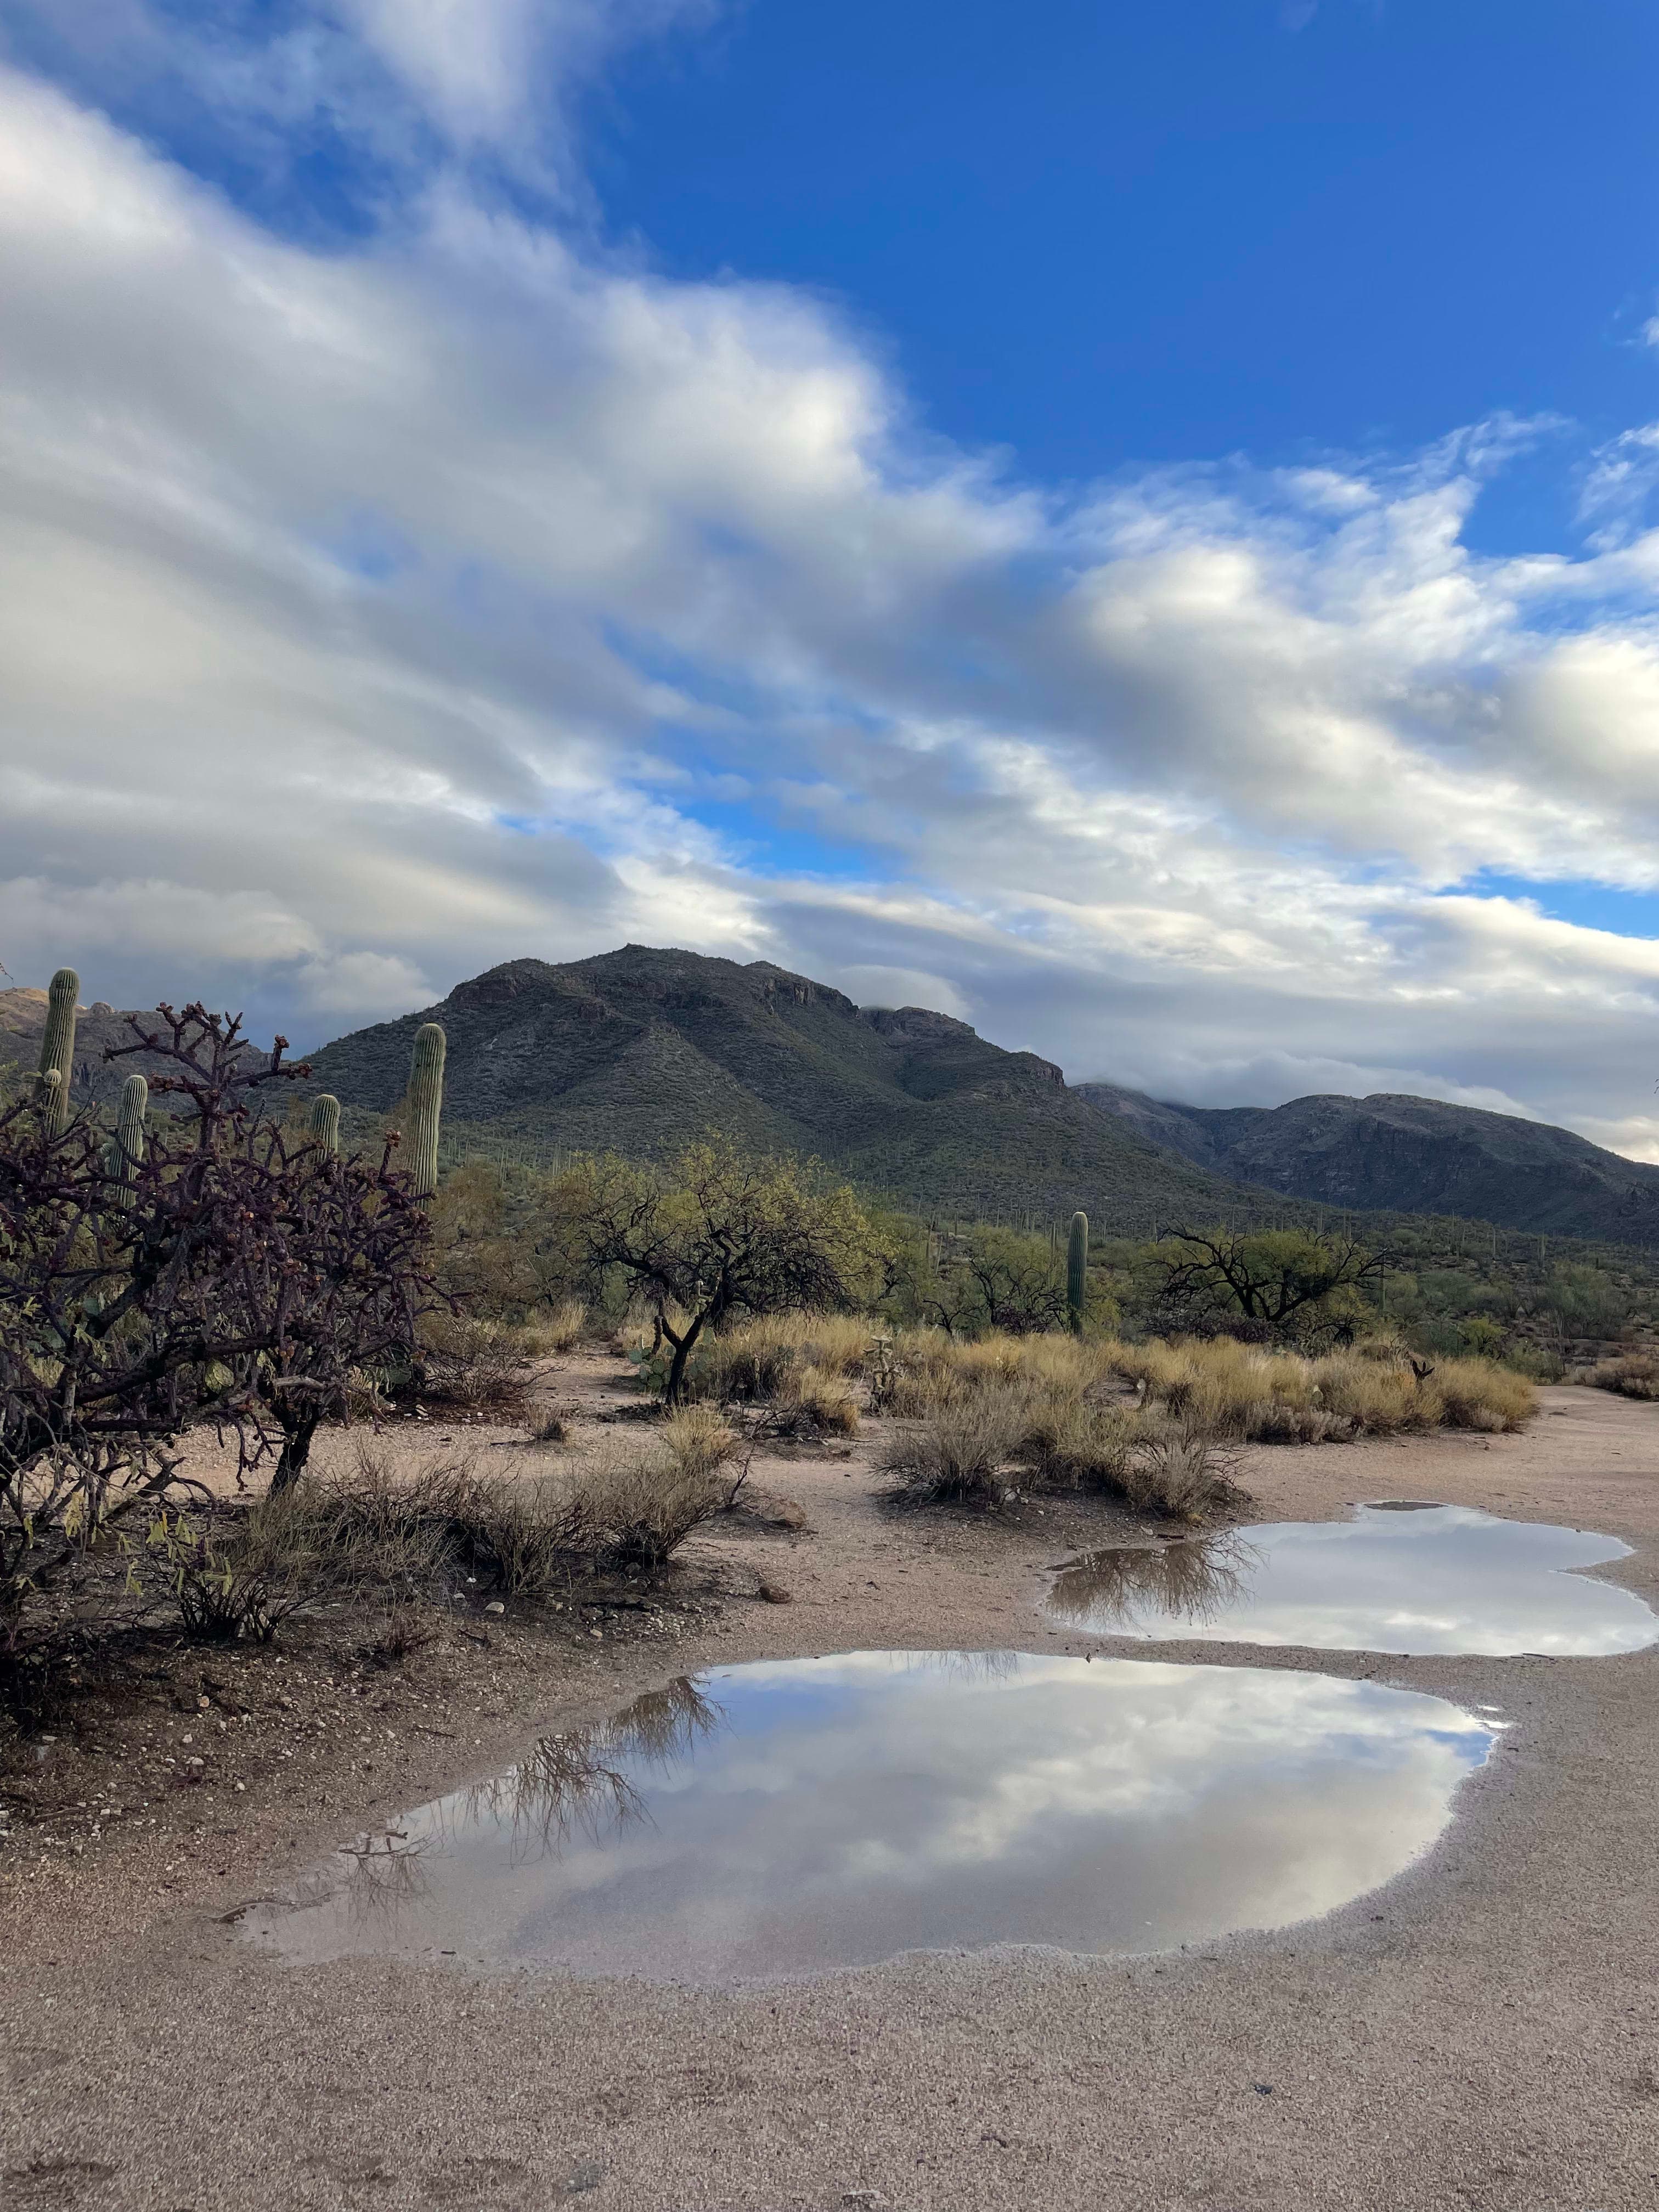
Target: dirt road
[(1482, 2032)]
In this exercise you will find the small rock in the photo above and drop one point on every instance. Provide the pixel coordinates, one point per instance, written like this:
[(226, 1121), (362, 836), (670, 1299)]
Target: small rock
[(785, 1514), (773, 1593), (495, 1605)]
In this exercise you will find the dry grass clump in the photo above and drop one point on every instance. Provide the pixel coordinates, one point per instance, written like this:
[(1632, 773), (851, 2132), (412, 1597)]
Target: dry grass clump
[(559, 1330), (752, 1363), (1242, 1392), (698, 1439), (959, 1452), (1630, 1375), (918, 1369), (1073, 1443), (382, 1527), (810, 1402), (1476, 1394)]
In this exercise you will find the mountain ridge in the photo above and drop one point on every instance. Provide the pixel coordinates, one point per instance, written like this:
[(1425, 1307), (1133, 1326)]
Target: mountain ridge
[(642, 1050), (1391, 1152)]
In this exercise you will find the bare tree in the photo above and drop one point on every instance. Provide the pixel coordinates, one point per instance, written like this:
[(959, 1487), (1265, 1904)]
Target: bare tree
[(1282, 1279)]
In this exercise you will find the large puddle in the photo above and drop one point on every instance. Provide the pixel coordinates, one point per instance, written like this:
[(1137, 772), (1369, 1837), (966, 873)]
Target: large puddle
[(1399, 1577), (785, 1819)]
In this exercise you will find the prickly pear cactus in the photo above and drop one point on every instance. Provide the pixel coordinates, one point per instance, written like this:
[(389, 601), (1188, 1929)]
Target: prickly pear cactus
[(58, 1048), (426, 1098)]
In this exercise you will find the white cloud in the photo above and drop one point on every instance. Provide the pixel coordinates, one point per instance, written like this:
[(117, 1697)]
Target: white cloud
[(371, 614)]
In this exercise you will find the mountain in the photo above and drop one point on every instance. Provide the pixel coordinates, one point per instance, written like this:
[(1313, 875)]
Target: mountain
[(1389, 1152), (93, 1078), (642, 1050)]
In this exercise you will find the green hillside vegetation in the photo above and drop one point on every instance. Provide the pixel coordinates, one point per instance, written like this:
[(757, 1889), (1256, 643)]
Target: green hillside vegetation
[(1391, 1152), (644, 1051)]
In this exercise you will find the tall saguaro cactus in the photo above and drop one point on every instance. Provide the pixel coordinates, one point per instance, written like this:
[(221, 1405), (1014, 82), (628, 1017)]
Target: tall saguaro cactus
[(58, 1048), (322, 1124), (1076, 1269), (128, 1149), (426, 1098)]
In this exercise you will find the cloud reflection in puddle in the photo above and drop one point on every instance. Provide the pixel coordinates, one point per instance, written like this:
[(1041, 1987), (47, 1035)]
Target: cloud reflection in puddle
[(793, 1817)]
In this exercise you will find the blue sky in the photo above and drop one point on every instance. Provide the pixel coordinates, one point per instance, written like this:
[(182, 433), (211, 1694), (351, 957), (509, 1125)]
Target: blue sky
[(1106, 236), (1131, 525)]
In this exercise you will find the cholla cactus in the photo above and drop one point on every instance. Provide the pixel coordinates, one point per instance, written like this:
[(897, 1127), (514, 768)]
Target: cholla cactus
[(1076, 1269), (57, 1048), (323, 1125), (128, 1149), (426, 1098)]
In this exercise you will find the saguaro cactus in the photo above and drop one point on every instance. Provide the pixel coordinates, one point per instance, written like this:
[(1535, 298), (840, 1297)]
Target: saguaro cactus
[(1076, 1269), (58, 1048), (128, 1149), (322, 1124), (426, 1098)]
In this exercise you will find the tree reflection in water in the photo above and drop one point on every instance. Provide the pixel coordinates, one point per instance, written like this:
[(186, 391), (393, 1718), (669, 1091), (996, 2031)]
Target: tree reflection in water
[(1194, 1579), (572, 1784)]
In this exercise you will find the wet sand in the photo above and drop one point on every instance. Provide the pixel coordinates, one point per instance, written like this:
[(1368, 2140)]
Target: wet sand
[(1484, 2032)]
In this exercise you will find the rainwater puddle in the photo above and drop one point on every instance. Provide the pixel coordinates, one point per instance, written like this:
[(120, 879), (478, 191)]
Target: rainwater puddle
[(1399, 1577), (788, 1817)]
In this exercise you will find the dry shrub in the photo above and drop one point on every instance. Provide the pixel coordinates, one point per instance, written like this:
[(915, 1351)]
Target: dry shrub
[(1631, 1375), (957, 1452), (240, 1579), (636, 1508), (526, 1532), (1183, 1472), (473, 1363), (550, 1426), (407, 1629), (754, 1362), (384, 1525)]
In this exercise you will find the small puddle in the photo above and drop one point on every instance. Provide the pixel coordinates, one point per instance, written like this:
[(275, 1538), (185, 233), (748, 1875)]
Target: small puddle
[(785, 1819), (1401, 1577)]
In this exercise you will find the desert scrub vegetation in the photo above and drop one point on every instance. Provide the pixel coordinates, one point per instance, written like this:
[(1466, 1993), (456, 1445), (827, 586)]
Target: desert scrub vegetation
[(714, 1234), (801, 1373), (1248, 1394), (194, 1267), (1630, 1375), (984, 1448), (410, 1536)]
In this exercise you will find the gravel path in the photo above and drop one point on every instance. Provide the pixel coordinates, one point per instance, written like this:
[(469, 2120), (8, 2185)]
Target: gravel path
[(1482, 2032)]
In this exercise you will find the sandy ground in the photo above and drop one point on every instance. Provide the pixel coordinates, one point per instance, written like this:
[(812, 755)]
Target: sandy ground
[(1482, 2032)]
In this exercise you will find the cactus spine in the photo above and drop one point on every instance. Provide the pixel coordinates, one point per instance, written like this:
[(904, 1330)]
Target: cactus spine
[(128, 1149), (1076, 1269), (57, 1048), (322, 1127), (426, 1098)]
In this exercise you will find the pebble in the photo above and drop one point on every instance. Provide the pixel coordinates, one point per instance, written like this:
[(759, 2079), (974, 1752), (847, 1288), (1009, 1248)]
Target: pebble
[(495, 1605)]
